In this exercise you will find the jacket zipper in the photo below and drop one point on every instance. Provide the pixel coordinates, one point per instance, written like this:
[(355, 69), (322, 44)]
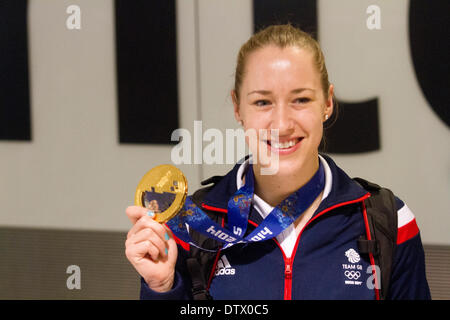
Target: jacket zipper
[(288, 262), (288, 279)]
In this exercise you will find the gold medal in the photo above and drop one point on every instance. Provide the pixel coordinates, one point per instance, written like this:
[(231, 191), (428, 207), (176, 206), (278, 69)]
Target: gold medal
[(162, 190)]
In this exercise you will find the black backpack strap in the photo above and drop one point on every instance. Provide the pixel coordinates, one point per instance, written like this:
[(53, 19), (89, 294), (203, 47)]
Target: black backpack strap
[(200, 262), (382, 219), (213, 179), (199, 290)]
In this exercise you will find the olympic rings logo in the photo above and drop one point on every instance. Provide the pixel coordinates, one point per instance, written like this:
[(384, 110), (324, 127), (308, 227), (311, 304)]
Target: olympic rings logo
[(352, 274)]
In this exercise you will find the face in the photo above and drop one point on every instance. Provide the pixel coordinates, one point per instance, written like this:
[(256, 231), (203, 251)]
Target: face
[(153, 205), (281, 89)]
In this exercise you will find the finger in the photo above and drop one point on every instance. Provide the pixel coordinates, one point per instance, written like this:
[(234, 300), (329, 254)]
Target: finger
[(136, 252), (144, 222), (172, 249), (140, 250), (134, 213), (147, 222), (149, 234)]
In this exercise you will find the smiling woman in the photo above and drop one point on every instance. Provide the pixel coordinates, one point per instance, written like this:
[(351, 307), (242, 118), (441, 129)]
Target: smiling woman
[(281, 84), (290, 92)]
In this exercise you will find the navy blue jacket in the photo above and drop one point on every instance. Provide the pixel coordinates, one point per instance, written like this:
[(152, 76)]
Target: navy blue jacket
[(325, 263)]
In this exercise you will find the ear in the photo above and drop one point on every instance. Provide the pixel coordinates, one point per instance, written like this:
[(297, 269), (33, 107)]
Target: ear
[(329, 104), (237, 115)]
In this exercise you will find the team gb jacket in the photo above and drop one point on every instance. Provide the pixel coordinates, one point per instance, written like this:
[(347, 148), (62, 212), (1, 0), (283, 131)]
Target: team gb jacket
[(325, 262)]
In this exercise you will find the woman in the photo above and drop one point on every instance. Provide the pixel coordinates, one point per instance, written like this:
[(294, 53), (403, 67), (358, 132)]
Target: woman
[(153, 206), (281, 83)]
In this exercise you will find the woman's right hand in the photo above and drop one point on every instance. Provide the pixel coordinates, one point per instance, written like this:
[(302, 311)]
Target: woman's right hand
[(151, 249)]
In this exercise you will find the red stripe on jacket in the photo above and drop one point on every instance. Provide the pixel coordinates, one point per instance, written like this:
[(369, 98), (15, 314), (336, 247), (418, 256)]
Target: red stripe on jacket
[(408, 231)]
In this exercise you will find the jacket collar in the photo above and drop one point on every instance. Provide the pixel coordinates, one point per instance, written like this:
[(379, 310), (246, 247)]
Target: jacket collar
[(343, 189)]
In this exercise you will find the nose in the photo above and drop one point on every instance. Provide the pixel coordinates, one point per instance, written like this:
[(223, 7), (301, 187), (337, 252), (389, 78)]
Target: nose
[(283, 120)]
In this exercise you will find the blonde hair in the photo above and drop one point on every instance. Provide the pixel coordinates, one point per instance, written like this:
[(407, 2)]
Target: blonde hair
[(281, 36)]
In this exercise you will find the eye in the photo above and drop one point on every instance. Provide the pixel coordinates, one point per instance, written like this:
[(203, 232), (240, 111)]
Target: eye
[(302, 100), (262, 103)]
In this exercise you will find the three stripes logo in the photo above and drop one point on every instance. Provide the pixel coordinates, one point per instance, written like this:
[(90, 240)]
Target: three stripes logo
[(223, 267)]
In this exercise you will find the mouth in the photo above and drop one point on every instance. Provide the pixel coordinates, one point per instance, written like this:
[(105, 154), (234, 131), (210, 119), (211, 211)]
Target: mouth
[(285, 146)]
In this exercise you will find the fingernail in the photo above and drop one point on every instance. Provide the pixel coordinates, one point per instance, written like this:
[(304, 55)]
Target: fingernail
[(166, 236), (150, 213), (166, 251)]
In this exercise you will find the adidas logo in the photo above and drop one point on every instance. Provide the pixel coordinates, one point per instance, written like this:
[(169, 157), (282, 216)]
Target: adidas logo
[(223, 267)]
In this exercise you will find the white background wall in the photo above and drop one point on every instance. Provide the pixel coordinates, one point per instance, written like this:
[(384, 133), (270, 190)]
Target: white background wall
[(75, 175)]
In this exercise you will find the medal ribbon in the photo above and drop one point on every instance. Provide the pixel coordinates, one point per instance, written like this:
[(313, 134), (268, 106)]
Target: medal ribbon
[(281, 217)]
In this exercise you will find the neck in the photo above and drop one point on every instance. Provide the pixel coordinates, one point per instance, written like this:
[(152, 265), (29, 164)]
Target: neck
[(275, 188)]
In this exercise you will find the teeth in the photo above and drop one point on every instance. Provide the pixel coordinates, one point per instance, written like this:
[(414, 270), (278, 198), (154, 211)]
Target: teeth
[(284, 145)]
